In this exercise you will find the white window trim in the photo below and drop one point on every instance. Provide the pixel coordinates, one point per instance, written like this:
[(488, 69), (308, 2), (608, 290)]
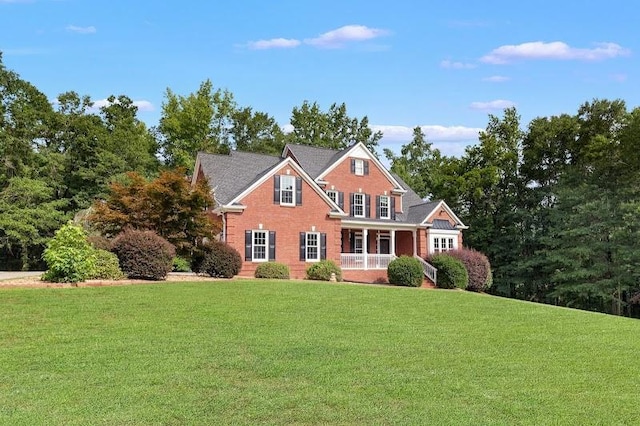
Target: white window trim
[(442, 236), (333, 195), (388, 207), (358, 167), (358, 236), (355, 204), (307, 245), (253, 245), (283, 179)]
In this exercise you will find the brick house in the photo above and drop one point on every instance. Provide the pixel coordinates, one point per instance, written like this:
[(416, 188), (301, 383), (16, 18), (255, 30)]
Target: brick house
[(315, 203)]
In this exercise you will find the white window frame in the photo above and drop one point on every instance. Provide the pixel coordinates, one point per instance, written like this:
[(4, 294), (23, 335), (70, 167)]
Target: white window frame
[(358, 242), (254, 233), (284, 179), (333, 195), (358, 168), (309, 237), (442, 241), (387, 206), (356, 196)]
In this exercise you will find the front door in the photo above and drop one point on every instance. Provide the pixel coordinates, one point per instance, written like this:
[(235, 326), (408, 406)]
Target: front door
[(384, 246)]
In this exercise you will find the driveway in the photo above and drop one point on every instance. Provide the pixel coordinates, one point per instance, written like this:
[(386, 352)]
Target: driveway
[(11, 275)]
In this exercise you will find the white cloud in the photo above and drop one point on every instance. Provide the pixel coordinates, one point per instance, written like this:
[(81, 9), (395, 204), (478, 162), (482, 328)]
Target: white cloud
[(338, 37), (81, 30), (492, 105), (144, 106), (434, 133), (274, 43), (554, 50), (496, 79), (456, 65)]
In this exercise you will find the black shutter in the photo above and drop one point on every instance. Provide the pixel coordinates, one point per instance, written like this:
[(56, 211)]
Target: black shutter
[(323, 246), (341, 200), (298, 191), (303, 246), (276, 189), (393, 208), (377, 207), (248, 244), (366, 166), (353, 165), (352, 196), (367, 205), (352, 242), (272, 245)]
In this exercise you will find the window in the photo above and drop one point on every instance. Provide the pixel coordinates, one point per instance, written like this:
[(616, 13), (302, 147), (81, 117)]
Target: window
[(442, 244), (358, 205), (359, 167), (313, 246), (333, 195), (259, 245), (436, 245), (357, 242), (384, 207), (450, 243), (287, 190)]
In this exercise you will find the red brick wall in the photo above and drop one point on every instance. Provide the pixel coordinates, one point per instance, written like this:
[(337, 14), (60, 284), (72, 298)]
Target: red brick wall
[(375, 183), (404, 243), (287, 222), (369, 276)]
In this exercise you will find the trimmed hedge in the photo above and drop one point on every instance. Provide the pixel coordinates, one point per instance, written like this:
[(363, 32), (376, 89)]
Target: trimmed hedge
[(451, 271), (68, 255), (405, 271), (143, 254), (105, 267), (477, 266), (272, 270), (322, 271), (217, 259)]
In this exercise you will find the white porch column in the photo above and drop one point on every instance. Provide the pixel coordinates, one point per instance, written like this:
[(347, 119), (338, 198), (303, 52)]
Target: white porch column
[(415, 242), (365, 246), (392, 242)]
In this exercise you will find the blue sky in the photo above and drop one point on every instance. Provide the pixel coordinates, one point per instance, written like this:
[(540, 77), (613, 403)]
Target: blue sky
[(441, 65)]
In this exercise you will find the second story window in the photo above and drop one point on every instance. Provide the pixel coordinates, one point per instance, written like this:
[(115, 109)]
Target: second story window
[(359, 167), (384, 207), (333, 195), (287, 190), (358, 205)]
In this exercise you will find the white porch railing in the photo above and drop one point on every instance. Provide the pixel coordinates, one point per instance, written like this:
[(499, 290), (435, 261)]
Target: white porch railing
[(428, 269), (357, 261)]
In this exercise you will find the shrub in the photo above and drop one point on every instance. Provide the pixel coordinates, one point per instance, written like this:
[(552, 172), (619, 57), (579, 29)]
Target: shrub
[(180, 264), (272, 270), (143, 254), (68, 255), (105, 267), (406, 271), (451, 271), (322, 271), (99, 242), (477, 266), (218, 259)]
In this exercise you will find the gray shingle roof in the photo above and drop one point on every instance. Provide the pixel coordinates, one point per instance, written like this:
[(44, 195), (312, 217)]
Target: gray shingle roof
[(314, 160), (419, 212), (230, 174)]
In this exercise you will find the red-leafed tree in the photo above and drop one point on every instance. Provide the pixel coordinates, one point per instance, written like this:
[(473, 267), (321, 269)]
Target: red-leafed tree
[(168, 205)]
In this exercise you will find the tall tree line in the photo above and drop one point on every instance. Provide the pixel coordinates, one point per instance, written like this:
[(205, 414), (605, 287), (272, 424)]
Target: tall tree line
[(555, 205)]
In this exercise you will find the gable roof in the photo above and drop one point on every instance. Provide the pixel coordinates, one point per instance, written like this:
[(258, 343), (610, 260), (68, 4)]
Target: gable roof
[(230, 174), (312, 159)]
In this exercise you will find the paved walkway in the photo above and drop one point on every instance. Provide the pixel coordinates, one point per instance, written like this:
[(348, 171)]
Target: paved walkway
[(11, 275)]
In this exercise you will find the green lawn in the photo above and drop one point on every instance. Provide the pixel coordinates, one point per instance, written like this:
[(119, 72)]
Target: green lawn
[(270, 352)]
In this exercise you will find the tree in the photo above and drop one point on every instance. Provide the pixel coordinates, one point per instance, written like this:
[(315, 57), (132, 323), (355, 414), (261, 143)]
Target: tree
[(200, 121), (256, 132), (333, 129), (168, 205)]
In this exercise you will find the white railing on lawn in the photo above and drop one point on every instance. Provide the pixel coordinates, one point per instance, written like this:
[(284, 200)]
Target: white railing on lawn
[(428, 269), (365, 261)]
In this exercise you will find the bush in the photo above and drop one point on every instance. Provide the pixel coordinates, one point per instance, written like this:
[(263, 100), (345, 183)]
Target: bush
[(322, 271), (180, 264), (451, 271), (143, 254), (477, 266), (218, 259), (105, 267), (406, 271), (68, 255), (99, 242), (272, 270)]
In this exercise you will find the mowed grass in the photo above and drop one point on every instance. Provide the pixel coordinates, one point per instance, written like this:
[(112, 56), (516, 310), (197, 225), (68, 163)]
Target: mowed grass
[(276, 352)]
